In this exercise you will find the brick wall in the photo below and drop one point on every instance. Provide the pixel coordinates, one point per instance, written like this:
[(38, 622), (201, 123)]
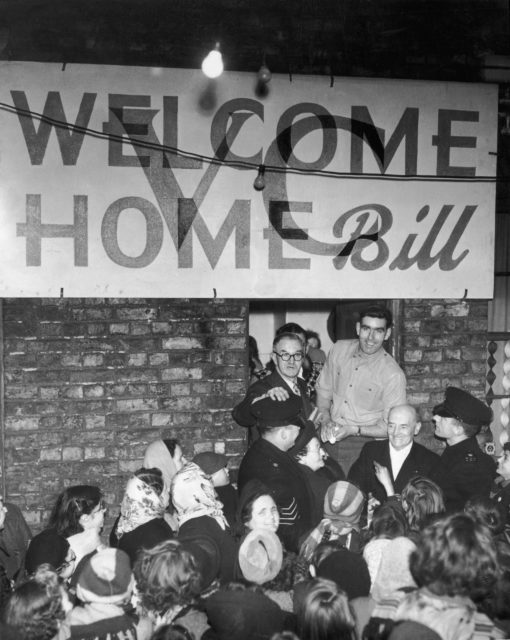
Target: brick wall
[(442, 343), (88, 383)]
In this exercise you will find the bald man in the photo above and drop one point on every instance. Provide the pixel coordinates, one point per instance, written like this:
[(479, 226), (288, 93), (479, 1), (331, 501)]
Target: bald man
[(399, 454)]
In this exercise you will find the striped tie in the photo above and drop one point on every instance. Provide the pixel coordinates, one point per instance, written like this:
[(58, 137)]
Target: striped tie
[(295, 388)]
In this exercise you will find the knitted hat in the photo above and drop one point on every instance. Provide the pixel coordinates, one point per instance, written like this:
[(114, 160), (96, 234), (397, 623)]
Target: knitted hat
[(210, 462), (260, 556), (278, 413), (344, 502), (463, 406), (105, 577), (47, 547)]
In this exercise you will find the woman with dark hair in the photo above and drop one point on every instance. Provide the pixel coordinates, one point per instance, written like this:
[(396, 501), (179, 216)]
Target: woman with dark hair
[(141, 523), (257, 509), (78, 515), (455, 566), (50, 548), (325, 613), (422, 500), (169, 582)]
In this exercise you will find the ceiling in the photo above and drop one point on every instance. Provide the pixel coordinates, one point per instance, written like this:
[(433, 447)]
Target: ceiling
[(428, 39)]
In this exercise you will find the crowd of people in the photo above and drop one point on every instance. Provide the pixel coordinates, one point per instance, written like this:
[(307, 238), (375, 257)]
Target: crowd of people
[(391, 542)]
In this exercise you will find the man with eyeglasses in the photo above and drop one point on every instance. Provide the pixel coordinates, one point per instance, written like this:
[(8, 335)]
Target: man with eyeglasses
[(357, 387), (288, 354)]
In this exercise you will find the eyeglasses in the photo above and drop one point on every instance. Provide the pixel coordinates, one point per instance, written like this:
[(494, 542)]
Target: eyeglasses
[(67, 563), (297, 357)]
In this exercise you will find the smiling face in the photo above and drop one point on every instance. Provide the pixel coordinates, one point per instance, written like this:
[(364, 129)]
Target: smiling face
[(372, 332), (402, 426), (314, 456), (264, 514)]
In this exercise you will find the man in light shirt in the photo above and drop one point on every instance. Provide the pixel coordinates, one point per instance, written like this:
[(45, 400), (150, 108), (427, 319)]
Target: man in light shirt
[(397, 459), (358, 385)]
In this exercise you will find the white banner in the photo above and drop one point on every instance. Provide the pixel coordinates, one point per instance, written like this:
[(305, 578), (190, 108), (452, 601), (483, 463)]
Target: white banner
[(373, 188)]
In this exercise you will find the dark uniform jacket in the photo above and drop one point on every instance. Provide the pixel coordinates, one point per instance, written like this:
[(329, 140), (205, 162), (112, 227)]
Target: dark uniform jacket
[(500, 495), (464, 471), (242, 412), (287, 484), (419, 462)]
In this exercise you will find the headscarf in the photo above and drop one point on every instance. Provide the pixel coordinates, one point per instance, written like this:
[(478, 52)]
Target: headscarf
[(158, 455), (140, 504), (193, 495)]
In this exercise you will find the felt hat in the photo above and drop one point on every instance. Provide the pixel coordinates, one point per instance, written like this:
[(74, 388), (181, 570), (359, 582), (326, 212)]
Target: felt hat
[(206, 553), (278, 413), (260, 556), (210, 462), (242, 614), (304, 436), (47, 547), (349, 570), (463, 406), (105, 577), (343, 501)]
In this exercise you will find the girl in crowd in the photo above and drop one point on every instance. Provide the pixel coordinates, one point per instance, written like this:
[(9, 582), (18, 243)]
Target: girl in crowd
[(325, 614), (78, 515), (200, 517), (37, 607), (388, 522), (422, 500), (454, 565), (168, 582), (141, 522)]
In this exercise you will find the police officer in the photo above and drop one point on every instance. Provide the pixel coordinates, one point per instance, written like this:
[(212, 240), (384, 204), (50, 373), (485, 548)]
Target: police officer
[(464, 471)]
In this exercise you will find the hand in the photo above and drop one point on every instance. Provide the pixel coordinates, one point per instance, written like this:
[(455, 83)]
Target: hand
[(275, 393), (384, 477), (333, 432)]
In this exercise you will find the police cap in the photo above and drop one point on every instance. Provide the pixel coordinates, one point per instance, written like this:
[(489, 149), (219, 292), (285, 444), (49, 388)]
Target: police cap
[(278, 413), (464, 407)]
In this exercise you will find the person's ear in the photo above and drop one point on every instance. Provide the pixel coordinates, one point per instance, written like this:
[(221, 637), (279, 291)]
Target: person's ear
[(417, 428), (388, 333), (358, 327), (312, 571), (274, 357), (84, 518)]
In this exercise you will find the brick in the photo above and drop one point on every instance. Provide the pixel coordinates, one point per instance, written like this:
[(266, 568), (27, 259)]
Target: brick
[(21, 424), (181, 342), (72, 453), (136, 404), (49, 393), (93, 391), (137, 360), (161, 419), (430, 355), (70, 360), (474, 353), (119, 328), (94, 452), (95, 421), (93, 360), (414, 355), (50, 454), (180, 373), (158, 359)]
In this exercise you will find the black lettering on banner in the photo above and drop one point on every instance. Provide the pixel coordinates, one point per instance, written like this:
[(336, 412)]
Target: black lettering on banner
[(69, 139), (34, 230)]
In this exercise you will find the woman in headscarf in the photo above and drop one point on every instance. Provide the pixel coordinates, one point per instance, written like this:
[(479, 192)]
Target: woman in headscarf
[(201, 520), (141, 523), (167, 456)]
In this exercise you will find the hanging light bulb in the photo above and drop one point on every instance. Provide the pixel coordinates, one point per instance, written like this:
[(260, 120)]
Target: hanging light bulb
[(212, 66), (259, 184), (264, 75)]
